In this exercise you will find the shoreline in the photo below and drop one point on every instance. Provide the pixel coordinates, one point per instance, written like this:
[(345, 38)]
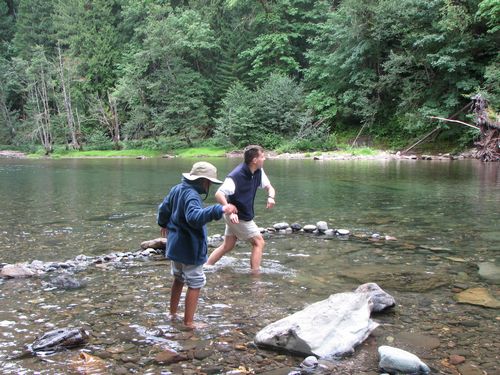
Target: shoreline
[(315, 155)]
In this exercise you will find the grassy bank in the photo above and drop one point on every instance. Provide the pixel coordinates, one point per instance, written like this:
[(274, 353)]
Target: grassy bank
[(60, 153)]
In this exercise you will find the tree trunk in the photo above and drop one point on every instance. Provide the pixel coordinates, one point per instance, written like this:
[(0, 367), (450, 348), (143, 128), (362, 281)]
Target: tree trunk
[(75, 144)]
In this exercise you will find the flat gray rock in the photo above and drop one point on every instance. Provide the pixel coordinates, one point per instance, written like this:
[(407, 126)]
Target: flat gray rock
[(328, 328)]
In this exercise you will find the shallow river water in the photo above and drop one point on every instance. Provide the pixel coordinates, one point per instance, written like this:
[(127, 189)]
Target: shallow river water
[(441, 217)]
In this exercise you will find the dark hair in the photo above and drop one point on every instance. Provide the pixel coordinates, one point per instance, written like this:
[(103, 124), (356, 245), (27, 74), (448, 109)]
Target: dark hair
[(251, 152)]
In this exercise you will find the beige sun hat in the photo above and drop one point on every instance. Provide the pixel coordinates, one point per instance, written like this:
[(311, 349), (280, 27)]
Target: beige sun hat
[(202, 169)]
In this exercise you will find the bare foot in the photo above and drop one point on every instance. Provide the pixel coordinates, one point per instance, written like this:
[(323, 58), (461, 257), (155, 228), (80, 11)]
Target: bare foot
[(172, 317), (195, 325)]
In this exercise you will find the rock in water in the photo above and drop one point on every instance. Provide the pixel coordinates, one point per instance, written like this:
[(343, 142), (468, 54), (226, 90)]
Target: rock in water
[(60, 339), (394, 360), (328, 328), (381, 299)]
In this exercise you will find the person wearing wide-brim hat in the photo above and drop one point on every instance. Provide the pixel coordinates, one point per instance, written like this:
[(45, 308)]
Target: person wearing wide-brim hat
[(183, 220)]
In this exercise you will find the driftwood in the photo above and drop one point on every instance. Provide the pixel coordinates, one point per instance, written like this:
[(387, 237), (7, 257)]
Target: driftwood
[(488, 146)]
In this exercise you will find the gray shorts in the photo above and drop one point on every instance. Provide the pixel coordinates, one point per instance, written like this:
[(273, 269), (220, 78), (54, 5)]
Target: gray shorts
[(244, 230), (193, 276)]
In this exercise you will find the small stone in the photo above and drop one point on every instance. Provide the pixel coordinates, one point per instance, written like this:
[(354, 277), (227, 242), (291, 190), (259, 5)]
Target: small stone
[(456, 359), (309, 228), (282, 225), (322, 226)]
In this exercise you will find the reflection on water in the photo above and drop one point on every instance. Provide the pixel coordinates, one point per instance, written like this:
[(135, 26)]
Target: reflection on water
[(442, 214)]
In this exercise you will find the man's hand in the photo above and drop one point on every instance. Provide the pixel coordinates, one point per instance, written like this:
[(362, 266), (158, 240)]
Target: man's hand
[(270, 202), (229, 209)]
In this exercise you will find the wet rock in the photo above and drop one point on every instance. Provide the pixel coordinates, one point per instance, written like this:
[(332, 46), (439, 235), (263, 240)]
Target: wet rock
[(85, 363), (489, 271), (328, 328), (202, 353), (380, 299), (322, 226), (456, 359), (309, 363), (281, 226), (169, 356), (17, 271), (394, 360), (59, 339), (66, 282), (342, 232), (477, 296), (309, 228), (157, 243), (469, 369), (212, 370), (295, 227)]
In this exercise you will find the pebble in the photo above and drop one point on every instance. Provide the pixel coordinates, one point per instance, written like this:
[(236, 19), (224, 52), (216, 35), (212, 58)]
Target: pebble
[(456, 359)]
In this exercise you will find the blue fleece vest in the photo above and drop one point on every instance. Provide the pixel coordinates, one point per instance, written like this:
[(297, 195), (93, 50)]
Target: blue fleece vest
[(246, 187)]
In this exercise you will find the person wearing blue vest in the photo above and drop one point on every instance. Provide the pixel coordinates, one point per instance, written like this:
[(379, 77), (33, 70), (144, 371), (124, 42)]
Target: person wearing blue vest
[(239, 188), (183, 220)]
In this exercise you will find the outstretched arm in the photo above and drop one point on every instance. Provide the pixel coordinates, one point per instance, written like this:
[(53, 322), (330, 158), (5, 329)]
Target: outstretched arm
[(271, 196)]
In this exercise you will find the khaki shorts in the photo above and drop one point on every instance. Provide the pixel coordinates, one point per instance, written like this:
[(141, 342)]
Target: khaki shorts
[(244, 230)]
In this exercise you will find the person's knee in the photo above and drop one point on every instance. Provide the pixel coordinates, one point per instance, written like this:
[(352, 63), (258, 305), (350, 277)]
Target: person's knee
[(258, 242)]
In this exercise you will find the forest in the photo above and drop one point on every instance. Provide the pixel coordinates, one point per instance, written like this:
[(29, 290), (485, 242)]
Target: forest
[(286, 74)]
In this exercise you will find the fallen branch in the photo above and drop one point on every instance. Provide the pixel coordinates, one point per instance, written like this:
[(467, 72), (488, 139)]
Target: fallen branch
[(459, 122), (422, 139)]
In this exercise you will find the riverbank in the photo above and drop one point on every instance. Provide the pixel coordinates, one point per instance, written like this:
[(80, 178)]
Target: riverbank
[(363, 154)]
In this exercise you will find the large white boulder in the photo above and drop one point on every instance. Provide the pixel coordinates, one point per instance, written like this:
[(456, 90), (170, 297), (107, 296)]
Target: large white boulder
[(328, 328)]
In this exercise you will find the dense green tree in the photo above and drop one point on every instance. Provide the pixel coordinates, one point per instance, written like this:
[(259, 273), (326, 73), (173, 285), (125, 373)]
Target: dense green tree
[(283, 29), (273, 112), (90, 30), (8, 85), (394, 63), (7, 25), (236, 124), (164, 86), (34, 27)]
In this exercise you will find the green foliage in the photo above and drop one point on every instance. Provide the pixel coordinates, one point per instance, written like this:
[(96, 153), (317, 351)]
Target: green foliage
[(489, 10), (264, 116), (236, 124), (163, 86), (34, 27), (378, 61), (98, 140), (287, 72)]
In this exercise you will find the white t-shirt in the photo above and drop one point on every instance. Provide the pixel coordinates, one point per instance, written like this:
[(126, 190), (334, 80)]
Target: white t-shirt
[(228, 187)]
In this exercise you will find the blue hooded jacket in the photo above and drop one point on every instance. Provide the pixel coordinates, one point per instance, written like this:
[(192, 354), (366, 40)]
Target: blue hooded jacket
[(185, 218)]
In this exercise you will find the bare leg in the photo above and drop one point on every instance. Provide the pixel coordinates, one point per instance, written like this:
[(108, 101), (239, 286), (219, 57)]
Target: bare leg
[(191, 304), (175, 296), (258, 244), (227, 246)]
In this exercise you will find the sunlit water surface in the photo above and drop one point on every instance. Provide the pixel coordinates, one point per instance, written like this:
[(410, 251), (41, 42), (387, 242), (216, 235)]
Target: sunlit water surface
[(443, 215)]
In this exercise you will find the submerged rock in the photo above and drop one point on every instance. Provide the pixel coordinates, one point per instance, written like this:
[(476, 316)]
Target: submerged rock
[(328, 328), (396, 361), (66, 282), (477, 296), (489, 271)]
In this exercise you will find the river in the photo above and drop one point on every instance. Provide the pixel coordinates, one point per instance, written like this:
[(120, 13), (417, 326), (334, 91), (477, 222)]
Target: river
[(440, 218)]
